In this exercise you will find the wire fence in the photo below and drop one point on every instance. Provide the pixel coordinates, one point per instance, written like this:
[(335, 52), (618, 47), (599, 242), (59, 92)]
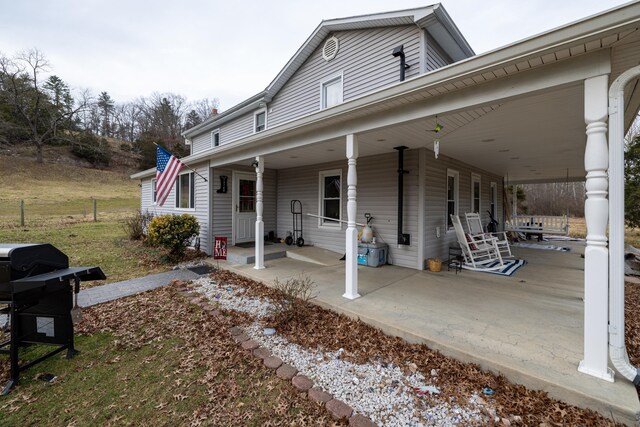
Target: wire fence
[(23, 213)]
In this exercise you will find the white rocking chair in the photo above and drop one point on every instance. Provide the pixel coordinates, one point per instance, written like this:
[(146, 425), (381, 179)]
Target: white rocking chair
[(478, 250), (474, 224)]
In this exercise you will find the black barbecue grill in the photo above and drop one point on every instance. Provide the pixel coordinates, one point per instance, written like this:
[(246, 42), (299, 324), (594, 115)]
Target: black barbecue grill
[(36, 291)]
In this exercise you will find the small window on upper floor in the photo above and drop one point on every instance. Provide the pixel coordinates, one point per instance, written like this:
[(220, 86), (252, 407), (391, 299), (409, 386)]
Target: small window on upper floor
[(260, 121), (215, 138), (331, 92)]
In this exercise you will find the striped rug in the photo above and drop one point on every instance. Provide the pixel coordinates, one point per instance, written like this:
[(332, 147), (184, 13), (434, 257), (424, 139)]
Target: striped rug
[(510, 266), (544, 247)]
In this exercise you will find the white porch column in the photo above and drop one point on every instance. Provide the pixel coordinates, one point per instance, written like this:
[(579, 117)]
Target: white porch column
[(351, 242), (596, 254), (259, 209)]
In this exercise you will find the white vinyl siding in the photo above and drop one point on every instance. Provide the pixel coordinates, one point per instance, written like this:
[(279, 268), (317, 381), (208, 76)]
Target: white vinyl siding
[(200, 209), (376, 194), (436, 205), (436, 57), (364, 57)]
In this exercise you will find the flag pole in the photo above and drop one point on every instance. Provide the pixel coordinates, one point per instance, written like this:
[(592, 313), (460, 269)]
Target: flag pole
[(187, 166)]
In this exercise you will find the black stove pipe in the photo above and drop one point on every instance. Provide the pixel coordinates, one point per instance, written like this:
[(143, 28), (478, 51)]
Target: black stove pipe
[(399, 51), (403, 239)]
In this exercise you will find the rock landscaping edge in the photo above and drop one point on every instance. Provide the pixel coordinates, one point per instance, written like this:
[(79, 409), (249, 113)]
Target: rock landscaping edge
[(336, 408)]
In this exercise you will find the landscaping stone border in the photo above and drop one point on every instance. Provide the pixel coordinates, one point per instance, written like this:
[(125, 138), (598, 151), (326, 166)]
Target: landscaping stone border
[(337, 409)]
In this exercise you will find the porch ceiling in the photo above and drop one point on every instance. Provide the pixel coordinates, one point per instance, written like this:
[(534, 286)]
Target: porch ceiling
[(535, 138)]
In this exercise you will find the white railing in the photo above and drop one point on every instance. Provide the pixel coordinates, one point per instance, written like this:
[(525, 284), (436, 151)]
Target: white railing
[(539, 224)]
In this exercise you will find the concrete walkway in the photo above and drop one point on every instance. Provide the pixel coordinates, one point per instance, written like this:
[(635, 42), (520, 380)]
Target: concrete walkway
[(113, 291)]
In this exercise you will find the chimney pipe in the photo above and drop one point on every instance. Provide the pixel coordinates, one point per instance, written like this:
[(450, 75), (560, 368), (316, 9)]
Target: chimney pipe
[(399, 51), (403, 239)]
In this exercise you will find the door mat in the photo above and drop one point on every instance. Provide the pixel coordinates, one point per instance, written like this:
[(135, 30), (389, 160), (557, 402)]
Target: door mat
[(250, 244), (201, 269)]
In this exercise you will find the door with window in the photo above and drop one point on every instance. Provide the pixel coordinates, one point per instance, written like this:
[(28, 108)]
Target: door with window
[(244, 194)]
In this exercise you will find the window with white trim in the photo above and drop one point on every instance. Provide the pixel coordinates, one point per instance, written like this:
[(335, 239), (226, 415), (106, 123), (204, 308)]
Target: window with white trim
[(215, 138), (494, 199), (153, 190), (475, 193), (260, 121), (452, 195), (331, 92), (330, 198), (185, 191)]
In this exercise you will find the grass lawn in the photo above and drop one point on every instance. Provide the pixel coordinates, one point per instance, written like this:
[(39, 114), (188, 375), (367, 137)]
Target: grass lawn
[(59, 191), (102, 243), (578, 228), (155, 360)]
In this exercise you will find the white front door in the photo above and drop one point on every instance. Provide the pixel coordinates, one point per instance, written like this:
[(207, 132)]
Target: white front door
[(244, 200)]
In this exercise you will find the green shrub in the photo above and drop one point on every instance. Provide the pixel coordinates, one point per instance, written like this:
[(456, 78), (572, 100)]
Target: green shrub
[(173, 232), (137, 225)]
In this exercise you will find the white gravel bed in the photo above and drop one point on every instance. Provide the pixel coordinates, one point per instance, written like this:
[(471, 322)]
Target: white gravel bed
[(232, 297), (382, 392)]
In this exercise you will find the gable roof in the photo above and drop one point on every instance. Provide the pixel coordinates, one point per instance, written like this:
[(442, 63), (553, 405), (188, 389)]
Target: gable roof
[(434, 18)]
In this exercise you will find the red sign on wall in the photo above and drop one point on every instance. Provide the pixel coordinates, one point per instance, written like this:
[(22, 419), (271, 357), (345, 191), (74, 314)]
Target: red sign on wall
[(220, 248)]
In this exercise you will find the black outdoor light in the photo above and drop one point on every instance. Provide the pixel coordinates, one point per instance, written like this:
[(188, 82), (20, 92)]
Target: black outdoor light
[(399, 51)]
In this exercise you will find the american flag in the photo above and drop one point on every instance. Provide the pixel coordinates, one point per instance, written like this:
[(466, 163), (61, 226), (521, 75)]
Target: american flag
[(167, 169)]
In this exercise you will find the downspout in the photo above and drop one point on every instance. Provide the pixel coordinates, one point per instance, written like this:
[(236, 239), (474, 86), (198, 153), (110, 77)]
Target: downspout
[(617, 350)]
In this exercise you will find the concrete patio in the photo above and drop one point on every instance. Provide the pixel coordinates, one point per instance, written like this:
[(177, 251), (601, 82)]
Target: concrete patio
[(528, 326)]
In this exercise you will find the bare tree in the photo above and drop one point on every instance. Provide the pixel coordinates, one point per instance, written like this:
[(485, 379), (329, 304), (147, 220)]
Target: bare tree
[(206, 108), (26, 91)]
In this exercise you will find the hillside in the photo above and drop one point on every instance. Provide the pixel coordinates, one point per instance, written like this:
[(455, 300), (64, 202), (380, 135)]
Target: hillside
[(64, 186)]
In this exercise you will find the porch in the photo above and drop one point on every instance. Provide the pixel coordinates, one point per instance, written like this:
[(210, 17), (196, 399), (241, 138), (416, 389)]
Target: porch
[(528, 327)]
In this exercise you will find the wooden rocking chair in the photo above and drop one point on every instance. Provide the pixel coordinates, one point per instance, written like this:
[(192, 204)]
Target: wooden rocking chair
[(474, 224), (478, 250)]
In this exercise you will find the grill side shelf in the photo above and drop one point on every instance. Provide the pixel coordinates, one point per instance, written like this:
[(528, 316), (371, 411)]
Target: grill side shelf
[(53, 277)]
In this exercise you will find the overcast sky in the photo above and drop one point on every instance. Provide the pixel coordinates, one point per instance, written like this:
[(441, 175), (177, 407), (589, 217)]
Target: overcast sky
[(227, 49)]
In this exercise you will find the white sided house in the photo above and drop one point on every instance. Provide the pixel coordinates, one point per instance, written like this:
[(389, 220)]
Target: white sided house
[(347, 127)]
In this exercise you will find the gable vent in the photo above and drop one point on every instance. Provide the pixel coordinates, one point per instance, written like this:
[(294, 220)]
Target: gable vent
[(330, 49)]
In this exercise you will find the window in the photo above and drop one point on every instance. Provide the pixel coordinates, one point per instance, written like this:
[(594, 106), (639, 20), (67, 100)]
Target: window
[(494, 199), (215, 138), (260, 121), (452, 195), (330, 200), (475, 193), (331, 92), (185, 191), (153, 190)]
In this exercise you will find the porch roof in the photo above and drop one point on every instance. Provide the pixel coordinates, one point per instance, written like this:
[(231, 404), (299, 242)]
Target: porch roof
[(558, 58)]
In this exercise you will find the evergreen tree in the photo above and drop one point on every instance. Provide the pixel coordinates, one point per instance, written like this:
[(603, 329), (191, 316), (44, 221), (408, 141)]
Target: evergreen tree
[(106, 107)]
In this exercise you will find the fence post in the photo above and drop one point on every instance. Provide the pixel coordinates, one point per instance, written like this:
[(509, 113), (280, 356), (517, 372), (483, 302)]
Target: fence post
[(21, 213), (95, 210)]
